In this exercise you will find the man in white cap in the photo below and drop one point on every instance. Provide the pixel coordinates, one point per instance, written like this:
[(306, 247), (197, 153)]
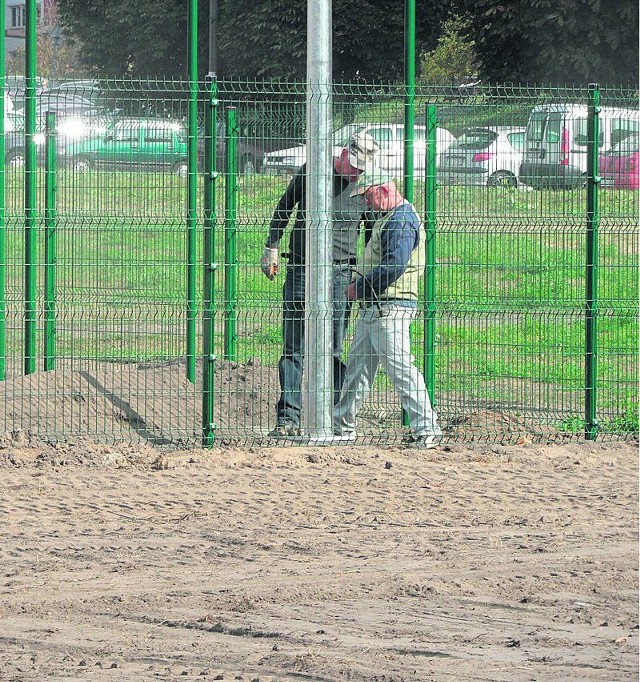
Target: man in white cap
[(348, 213), (386, 287)]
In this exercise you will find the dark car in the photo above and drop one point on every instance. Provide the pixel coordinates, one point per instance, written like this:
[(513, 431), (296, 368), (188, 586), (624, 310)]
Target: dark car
[(132, 143), (250, 152)]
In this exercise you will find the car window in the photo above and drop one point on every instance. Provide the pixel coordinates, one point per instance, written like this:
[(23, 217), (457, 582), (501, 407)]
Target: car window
[(580, 136), (535, 127), (621, 128), (630, 145), (126, 132), (474, 139), (516, 140), (553, 129), (163, 135)]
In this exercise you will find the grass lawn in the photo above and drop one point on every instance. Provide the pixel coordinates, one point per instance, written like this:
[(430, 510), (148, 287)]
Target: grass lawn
[(510, 285)]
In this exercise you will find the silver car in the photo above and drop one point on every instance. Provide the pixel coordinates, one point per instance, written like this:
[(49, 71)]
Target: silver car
[(488, 157), (389, 136)]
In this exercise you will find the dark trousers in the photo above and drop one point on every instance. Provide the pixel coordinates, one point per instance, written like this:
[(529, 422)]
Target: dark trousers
[(290, 366)]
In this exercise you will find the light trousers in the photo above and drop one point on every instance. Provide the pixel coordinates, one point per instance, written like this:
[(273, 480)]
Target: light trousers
[(382, 338)]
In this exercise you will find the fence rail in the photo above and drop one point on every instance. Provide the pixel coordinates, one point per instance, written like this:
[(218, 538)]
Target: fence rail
[(527, 328)]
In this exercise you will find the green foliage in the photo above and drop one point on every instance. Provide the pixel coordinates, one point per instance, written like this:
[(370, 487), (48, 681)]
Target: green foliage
[(555, 41), (255, 40), (454, 59)]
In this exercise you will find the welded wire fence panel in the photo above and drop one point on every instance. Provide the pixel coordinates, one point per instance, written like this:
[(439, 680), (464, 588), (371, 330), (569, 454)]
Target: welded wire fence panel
[(510, 254)]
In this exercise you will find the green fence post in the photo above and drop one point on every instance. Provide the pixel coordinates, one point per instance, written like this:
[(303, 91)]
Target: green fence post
[(3, 218), (30, 199), (593, 222), (209, 257), (192, 188), (430, 246), (230, 236), (50, 255), (410, 93)]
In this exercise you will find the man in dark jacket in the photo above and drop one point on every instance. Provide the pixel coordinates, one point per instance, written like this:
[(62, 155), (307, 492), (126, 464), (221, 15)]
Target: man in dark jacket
[(348, 213)]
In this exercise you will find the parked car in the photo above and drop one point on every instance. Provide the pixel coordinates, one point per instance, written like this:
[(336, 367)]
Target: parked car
[(250, 152), (389, 136), (132, 143), (16, 87), (555, 153), (619, 167), (68, 129), (488, 156)]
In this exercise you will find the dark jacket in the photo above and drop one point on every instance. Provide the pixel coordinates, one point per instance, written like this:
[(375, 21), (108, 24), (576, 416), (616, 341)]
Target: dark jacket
[(348, 213)]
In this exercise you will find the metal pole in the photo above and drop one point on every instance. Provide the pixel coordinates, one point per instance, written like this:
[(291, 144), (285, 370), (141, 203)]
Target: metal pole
[(209, 303), (430, 266), (409, 110), (50, 251), (3, 223), (230, 237), (192, 187), (213, 37), (30, 233), (318, 372), (410, 93), (593, 223)]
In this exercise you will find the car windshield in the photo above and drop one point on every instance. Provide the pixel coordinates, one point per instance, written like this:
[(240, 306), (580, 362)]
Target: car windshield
[(535, 128), (474, 139), (630, 145)]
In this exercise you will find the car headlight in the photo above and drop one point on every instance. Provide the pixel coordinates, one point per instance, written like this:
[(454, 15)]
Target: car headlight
[(72, 127)]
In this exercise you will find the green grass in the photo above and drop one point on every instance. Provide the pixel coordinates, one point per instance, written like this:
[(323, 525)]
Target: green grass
[(510, 283)]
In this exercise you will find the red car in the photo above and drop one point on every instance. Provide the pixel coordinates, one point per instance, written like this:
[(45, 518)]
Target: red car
[(620, 166)]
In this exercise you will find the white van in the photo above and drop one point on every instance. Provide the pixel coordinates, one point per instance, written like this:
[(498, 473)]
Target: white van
[(555, 149)]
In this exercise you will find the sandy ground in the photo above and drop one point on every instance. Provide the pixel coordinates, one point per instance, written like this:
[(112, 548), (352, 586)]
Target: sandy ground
[(488, 562)]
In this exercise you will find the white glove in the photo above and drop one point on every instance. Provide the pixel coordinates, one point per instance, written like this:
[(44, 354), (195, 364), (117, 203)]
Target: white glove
[(269, 262)]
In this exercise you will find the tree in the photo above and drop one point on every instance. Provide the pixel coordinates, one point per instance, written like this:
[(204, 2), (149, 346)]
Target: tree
[(256, 39), (454, 60), (56, 57), (555, 42)]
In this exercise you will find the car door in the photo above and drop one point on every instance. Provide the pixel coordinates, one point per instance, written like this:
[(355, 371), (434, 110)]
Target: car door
[(120, 145), (159, 146)]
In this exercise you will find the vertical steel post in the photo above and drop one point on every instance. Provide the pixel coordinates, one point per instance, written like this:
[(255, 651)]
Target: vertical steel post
[(410, 93), (209, 304), (30, 227), (230, 237), (593, 223), (409, 108), (430, 266), (192, 188), (318, 370), (3, 217), (50, 254)]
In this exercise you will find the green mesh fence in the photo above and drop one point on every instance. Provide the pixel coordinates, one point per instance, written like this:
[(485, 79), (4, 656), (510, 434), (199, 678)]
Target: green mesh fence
[(513, 226)]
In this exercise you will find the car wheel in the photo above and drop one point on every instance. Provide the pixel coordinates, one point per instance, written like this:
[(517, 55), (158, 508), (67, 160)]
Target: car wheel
[(15, 158), (247, 165), (80, 165), (502, 179), (181, 169)]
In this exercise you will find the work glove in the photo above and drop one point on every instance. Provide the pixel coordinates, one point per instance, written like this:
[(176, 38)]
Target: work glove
[(269, 262)]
